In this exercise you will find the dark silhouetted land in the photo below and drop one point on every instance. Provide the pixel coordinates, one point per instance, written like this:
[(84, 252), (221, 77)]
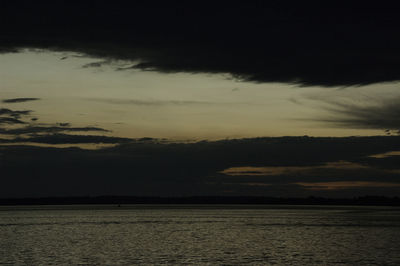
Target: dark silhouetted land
[(362, 201)]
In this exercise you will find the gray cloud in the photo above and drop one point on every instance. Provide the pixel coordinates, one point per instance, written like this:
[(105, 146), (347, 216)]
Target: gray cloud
[(150, 102), (19, 100), (11, 117), (48, 129), (378, 114), (10, 120), (46, 133), (64, 124), (14, 114), (96, 64), (59, 138)]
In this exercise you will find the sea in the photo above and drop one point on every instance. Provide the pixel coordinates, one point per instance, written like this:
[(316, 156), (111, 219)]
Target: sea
[(199, 235)]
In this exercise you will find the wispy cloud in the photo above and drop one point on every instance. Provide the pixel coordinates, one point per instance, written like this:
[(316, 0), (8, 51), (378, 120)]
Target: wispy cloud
[(19, 100), (12, 113), (31, 129), (150, 102), (11, 117), (97, 64), (288, 170), (10, 120), (345, 185), (59, 138), (372, 114), (43, 132)]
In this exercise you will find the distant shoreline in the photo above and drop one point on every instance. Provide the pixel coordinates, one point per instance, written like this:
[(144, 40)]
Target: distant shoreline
[(245, 200)]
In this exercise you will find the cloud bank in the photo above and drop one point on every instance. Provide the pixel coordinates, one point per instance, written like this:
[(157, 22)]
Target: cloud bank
[(293, 42), (295, 167)]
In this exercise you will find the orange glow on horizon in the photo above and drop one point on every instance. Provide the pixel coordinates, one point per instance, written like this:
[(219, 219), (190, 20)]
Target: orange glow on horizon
[(344, 185)]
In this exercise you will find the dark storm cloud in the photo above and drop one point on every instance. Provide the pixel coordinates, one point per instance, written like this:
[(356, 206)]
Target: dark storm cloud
[(19, 100), (262, 41), (380, 114), (179, 169)]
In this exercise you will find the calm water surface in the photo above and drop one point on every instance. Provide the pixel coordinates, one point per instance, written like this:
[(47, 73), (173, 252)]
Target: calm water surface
[(214, 235)]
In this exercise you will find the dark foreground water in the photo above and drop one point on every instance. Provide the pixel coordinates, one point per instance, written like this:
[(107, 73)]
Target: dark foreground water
[(149, 234)]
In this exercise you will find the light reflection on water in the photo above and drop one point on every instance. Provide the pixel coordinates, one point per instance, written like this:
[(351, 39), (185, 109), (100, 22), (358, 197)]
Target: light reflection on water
[(150, 234)]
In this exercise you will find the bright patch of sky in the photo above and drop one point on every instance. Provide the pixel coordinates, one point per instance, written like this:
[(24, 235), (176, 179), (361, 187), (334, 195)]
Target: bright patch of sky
[(135, 103)]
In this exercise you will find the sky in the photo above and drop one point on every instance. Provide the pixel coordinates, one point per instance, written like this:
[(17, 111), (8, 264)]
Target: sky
[(179, 106), (295, 99)]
